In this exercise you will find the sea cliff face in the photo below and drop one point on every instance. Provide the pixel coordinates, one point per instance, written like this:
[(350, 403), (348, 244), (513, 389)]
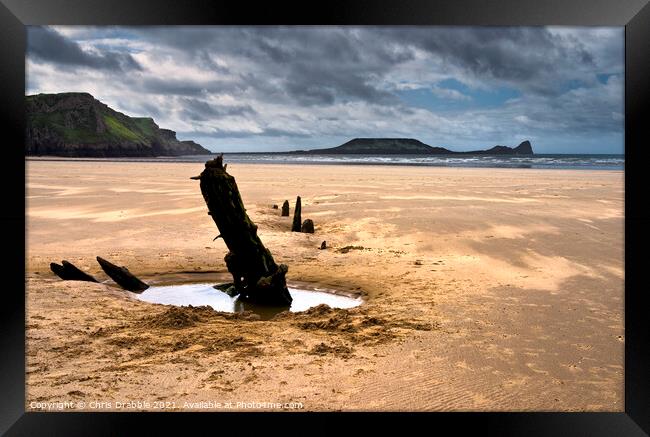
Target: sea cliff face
[(78, 125)]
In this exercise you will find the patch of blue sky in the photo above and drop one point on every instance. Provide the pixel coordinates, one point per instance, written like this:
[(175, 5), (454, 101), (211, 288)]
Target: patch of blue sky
[(460, 96), (604, 77), (572, 84)]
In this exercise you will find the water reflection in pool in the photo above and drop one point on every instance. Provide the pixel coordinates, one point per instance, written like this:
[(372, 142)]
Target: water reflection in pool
[(206, 294)]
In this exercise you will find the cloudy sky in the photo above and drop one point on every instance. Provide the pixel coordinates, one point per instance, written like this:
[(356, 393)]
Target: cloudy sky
[(286, 88)]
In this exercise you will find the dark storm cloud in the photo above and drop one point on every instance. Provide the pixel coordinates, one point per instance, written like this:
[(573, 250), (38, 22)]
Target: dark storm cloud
[(322, 64), (528, 58), (48, 45), (141, 108), (199, 110), (580, 111), (265, 132), (188, 87), (309, 84), (311, 66), (532, 59)]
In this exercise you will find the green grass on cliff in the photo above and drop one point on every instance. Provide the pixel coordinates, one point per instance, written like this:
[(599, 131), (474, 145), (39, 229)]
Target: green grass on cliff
[(139, 130), (145, 125), (119, 130), (55, 121)]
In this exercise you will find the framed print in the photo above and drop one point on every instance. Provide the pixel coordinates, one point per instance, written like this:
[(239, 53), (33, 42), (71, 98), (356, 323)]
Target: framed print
[(374, 210)]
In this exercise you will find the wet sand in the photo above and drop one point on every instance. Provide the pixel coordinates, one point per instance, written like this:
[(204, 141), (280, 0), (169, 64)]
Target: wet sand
[(485, 290)]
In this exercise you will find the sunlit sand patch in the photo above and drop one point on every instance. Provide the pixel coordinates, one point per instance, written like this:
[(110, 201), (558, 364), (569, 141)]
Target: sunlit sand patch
[(464, 258), (540, 272), (352, 186), (319, 198), (60, 190), (353, 202), (461, 198), (321, 213), (153, 191), (391, 209), (69, 213), (534, 368), (508, 231), (616, 270), (371, 228), (105, 216), (611, 213), (463, 365)]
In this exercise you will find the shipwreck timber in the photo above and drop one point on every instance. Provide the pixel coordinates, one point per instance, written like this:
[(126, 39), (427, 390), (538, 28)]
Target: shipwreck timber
[(256, 276)]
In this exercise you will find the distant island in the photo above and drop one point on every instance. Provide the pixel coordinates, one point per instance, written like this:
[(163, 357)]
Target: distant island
[(403, 146), (78, 125)]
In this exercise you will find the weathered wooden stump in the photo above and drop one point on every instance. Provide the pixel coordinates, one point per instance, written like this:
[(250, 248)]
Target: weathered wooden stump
[(122, 276), (285, 209), (256, 276), (69, 272), (296, 217), (323, 245), (307, 226)]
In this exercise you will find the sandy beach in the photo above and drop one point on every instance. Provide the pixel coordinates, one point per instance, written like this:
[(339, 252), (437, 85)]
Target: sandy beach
[(484, 290)]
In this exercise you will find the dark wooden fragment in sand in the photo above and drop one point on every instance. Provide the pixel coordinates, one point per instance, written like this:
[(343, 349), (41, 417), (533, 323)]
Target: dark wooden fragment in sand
[(285, 209), (69, 272), (256, 276), (297, 221), (122, 276), (307, 226)]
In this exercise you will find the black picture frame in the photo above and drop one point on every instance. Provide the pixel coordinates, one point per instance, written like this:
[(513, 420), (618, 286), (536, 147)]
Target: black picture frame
[(633, 14)]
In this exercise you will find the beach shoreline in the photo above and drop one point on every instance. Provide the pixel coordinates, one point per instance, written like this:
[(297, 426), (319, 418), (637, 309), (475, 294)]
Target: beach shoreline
[(485, 289), (587, 162)]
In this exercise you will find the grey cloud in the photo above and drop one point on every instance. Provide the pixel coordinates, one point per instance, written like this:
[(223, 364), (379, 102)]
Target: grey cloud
[(325, 64), (188, 87), (139, 108), (322, 65), (265, 132), (311, 65), (275, 132), (313, 85), (48, 45), (584, 111), (200, 110), (527, 58)]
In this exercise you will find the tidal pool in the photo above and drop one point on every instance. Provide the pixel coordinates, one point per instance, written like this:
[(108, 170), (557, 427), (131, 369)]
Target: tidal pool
[(206, 294)]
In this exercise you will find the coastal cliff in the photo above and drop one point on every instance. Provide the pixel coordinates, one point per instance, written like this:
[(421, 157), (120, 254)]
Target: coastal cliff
[(78, 125)]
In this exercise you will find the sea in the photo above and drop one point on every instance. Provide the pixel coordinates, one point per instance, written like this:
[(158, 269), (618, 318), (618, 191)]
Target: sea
[(541, 161)]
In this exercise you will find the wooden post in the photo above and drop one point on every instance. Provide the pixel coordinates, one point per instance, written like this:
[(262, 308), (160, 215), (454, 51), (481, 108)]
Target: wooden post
[(256, 276), (69, 272), (122, 276), (296, 217)]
